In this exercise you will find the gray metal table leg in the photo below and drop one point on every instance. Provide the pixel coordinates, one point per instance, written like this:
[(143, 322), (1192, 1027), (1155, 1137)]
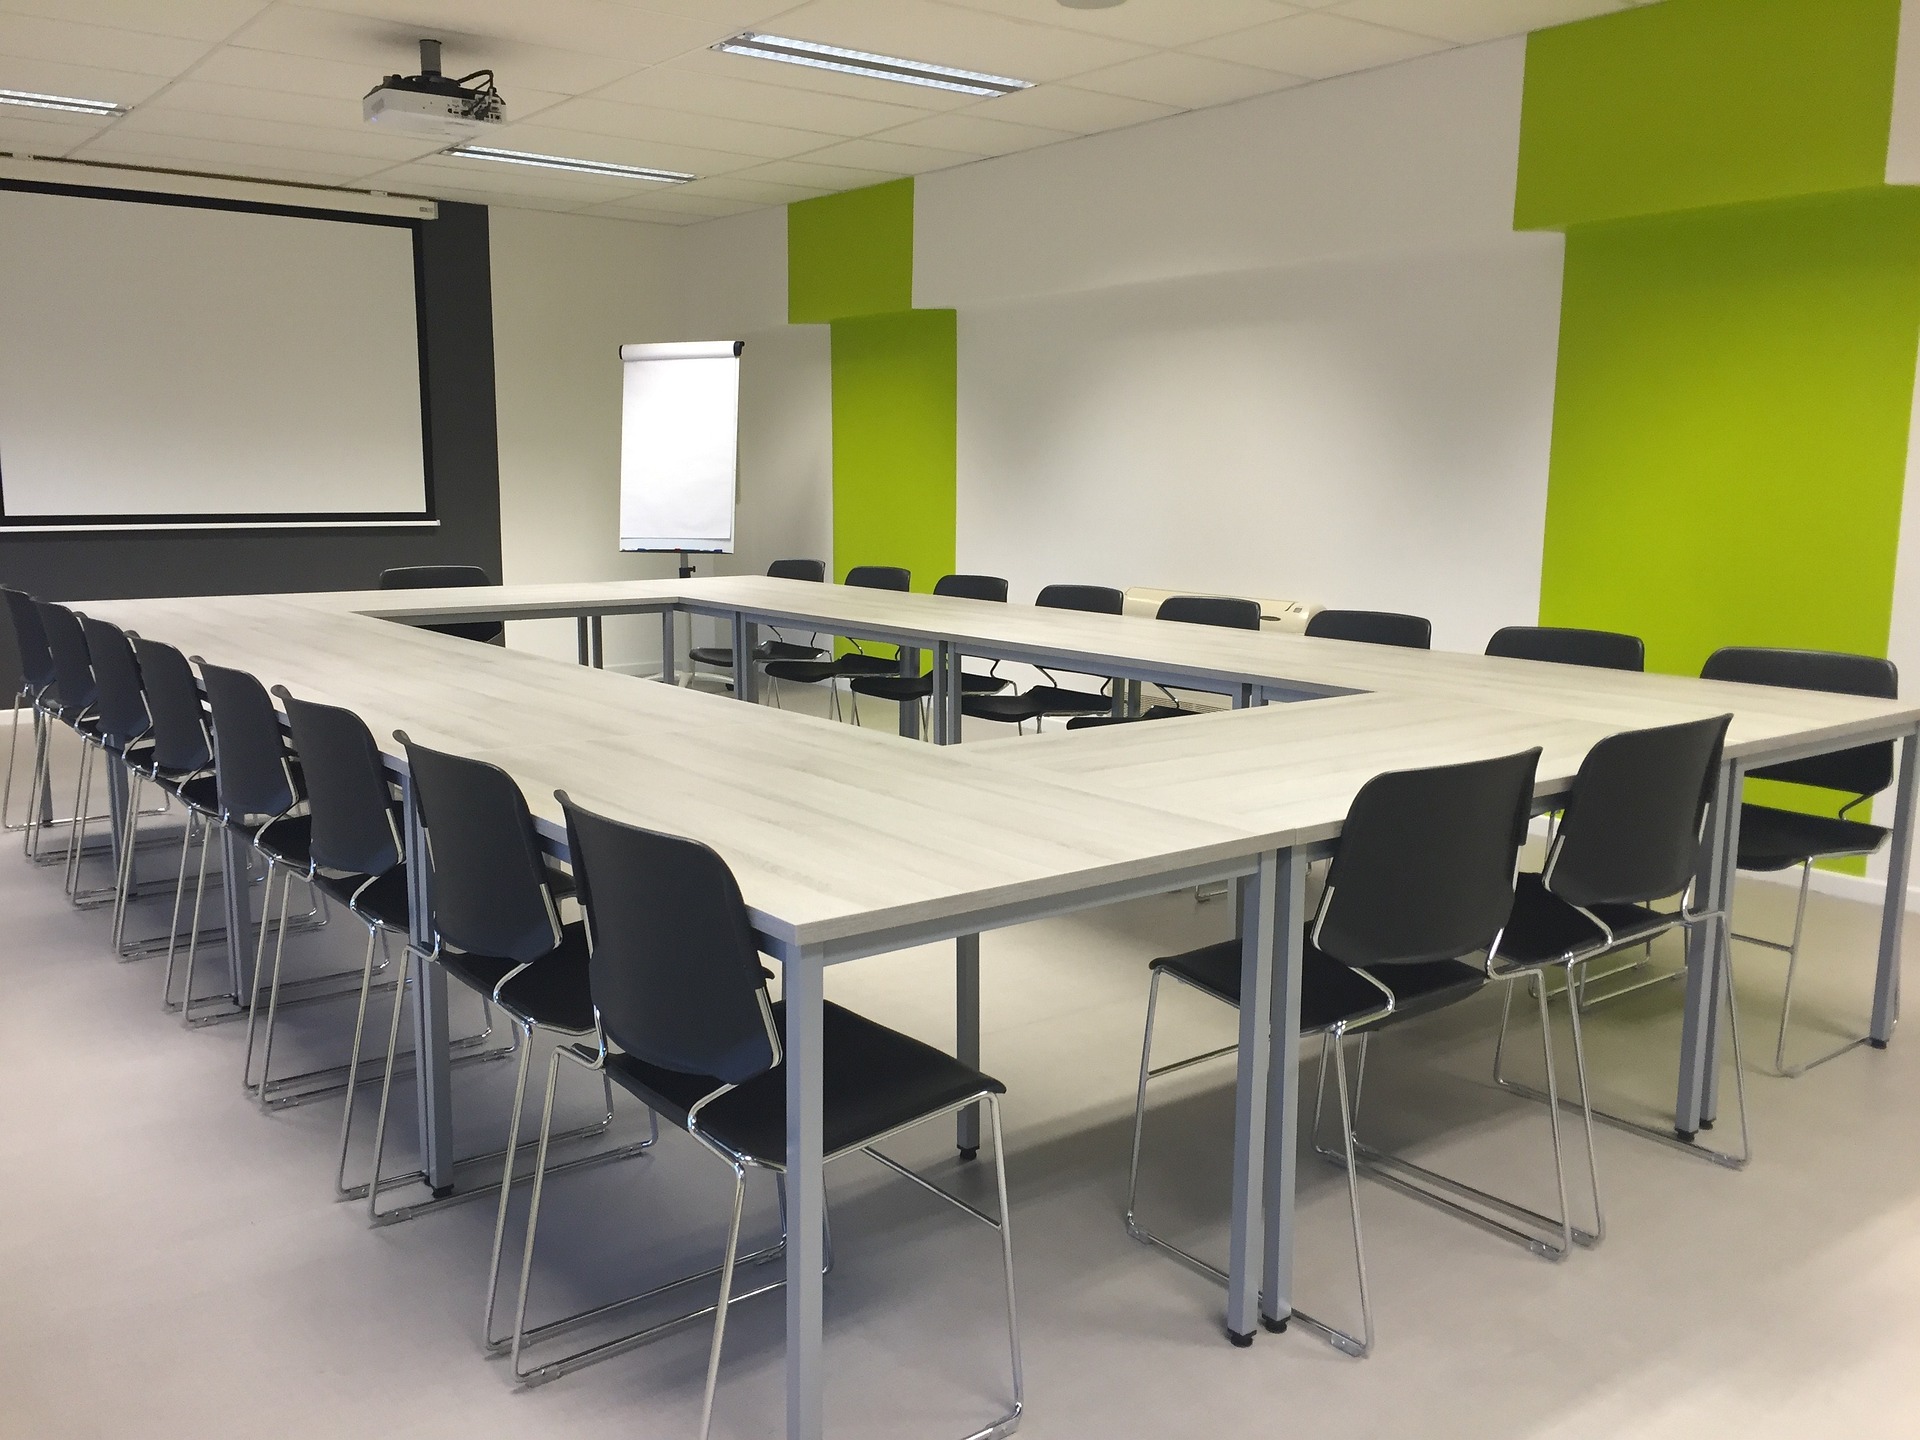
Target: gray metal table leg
[(432, 1080), (1886, 989), (597, 641), (582, 648), (669, 647), (910, 709), (1287, 916), (1706, 952), (1251, 1085), (236, 857), (966, 1046), (949, 701), (746, 636), (802, 983)]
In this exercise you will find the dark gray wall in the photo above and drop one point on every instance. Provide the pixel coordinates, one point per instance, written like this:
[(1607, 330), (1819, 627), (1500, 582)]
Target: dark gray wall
[(464, 470)]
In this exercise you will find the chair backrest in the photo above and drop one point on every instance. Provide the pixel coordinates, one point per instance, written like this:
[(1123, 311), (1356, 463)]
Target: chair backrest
[(73, 683), (972, 587), (1425, 864), (445, 577), (674, 971), (487, 884), (122, 707), (1863, 770), (798, 570), (249, 750), (36, 660), (1373, 627), (1564, 645), (180, 740), (880, 577), (355, 828), (1630, 830), (1218, 610), (1094, 599)]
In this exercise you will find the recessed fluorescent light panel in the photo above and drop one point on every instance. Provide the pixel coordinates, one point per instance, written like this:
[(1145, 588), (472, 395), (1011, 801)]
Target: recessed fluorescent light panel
[(71, 104), (874, 67), (564, 162)]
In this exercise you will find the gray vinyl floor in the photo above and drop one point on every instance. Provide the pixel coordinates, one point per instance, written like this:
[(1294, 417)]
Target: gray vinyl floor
[(173, 1263)]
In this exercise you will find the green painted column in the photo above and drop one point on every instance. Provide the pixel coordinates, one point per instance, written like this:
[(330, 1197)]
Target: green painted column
[(850, 265), (1739, 323)]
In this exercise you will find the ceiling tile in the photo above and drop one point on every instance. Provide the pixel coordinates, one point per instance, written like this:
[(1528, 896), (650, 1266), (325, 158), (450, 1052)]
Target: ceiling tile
[(887, 155), (593, 27), (677, 200), (284, 76), (49, 77), (1184, 81), (703, 92), (950, 35), (412, 181), (968, 131), (651, 123), (186, 152), (760, 192), (380, 47), (485, 176), (643, 214), (208, 20), (735, 15), (1063, 107), (44, 132), (815, 175), (1319, 45), (35, 37), (617, 150), (284, 135), (1468, 22), (1146, 22)]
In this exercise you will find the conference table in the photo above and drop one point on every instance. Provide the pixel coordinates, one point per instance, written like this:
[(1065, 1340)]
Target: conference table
[(849, 842)]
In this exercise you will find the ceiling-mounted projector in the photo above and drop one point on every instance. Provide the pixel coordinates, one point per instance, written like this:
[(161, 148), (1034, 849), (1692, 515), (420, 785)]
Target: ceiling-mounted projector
[(434, 104)]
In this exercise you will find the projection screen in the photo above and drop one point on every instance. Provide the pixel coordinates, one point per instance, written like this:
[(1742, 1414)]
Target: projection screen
[(188, 363), (679, 445)]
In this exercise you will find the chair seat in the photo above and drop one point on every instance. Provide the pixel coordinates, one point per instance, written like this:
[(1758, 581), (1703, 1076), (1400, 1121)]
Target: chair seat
[(380, 898), (552, 992), (196, 790), (1157, 712), (721, 657), (718, 657), (856, 663), (902, 688), (875, 1081), (1773, 839), (1007, 709), (1544, 928), (1058, 700), (803, 672), (1330, 991)]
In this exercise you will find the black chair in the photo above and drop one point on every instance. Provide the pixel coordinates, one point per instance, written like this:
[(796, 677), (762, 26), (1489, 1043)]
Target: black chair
[(1774, 839), (36, 681), (1218, 610), (495, 927), (73, 701), (358, 860), (181, 766), (1422, 877), (827, 671), (262, 800), (686, 1027), (720, 657), (917, 689), (1564, 645), (1052, 698), (1373, 627), (1629, 837), (446, 577)]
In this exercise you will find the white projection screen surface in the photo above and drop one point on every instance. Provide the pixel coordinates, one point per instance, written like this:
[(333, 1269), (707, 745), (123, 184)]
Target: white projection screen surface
[(679, 445), (181, 363)]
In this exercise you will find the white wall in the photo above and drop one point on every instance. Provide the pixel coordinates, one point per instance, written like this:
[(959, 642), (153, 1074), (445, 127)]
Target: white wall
[(568, 291), (1291, 347)]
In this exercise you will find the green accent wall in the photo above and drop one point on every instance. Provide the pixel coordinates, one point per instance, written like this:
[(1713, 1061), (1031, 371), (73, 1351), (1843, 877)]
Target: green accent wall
[(893, 443), (1696, 103), (850, 265), (850, 254)]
